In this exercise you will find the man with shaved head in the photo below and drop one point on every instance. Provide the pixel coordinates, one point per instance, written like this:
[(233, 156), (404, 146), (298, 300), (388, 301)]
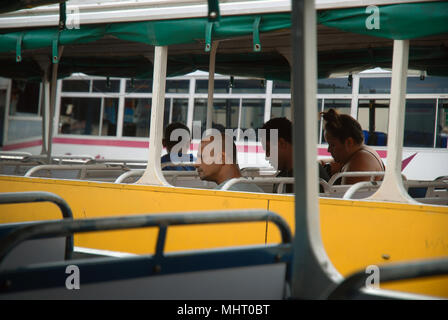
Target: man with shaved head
[(217, 162)]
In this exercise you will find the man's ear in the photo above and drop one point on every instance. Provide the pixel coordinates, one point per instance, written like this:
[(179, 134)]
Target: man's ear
[(282, 143)]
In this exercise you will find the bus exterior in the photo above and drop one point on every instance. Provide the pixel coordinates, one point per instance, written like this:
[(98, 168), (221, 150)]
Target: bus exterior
[(333, 238), (88, 109)]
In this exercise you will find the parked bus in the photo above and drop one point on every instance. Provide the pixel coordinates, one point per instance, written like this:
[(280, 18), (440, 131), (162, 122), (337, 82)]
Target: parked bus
[(88, 108)]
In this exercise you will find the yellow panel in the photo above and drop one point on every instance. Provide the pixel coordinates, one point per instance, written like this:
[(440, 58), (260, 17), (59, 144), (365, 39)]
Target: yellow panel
[(283, 205), (90, 200), (355, 234)]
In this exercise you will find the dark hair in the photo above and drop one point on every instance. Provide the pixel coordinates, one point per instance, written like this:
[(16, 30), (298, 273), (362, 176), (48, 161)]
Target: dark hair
[(284, 127), (169, 129), (342, 126), (226, 140)]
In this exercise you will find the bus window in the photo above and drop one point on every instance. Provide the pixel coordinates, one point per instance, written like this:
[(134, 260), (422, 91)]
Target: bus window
[(24, 98), (221, 86), (249, 86), (76, 86), (179, 110), (373, 115), (281, 87), (23, 119), (224, 115), (334, 85), (138, 86), (419, 123), (442, 124), (80, 116), (106, 86), (177, 86), (427, 85), (374, 85), (110, 115), (252, 114), (342, 106), (281, 108), (136, 120)]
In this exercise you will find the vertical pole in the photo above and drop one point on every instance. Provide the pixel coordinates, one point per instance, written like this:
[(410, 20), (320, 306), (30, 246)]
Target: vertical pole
[(268, 99), (153, 173), (45, 66), (190, 113), (53, 86), (211, 83), (371, 116), (120, 111), (355, 94), (100, 130), (392, 188), (45, 102), (313, 272), (7, 107)]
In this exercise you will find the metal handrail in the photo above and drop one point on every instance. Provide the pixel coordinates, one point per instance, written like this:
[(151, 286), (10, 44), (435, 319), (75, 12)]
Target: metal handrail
[(130, 173), (250, 180), (162, 221), (407, 184), (37, 196), (351, 285), (81, 167), (324, 185), (166, 173), (41, 196), (359, 185), (371, 174), (177, 164), (8, 155)]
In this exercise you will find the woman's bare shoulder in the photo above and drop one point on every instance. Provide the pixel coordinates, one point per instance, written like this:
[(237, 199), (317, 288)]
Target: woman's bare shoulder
[(366, 159)]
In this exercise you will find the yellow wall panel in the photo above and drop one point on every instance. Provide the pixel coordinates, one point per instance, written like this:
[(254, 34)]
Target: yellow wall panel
[(355, 234)]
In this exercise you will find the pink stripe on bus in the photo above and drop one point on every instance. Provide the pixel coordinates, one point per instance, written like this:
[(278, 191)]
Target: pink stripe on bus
[(100, 142), (22, 145), (143, 144)]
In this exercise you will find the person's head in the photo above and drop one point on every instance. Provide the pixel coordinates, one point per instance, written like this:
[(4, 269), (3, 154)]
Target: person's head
[(217, 158), (283, 141), (175, 133), (343, 134)]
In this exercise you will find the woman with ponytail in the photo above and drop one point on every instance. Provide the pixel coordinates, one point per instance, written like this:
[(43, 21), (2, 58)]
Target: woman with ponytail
[(346, 145)]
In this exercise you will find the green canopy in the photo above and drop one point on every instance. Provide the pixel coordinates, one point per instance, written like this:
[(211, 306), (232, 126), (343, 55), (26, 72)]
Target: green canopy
[(398, 22), (124, 49)]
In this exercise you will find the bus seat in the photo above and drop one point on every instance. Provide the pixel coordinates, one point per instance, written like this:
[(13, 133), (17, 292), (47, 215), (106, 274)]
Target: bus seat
[(247, 272), (32, 251), (376, 138), (366, 136), (381, 138)]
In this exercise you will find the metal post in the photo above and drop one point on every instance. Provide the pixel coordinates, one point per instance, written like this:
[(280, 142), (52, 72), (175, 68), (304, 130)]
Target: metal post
[(211, 83), (153, 173), (313, 272), (392, 188), (53, 86)]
